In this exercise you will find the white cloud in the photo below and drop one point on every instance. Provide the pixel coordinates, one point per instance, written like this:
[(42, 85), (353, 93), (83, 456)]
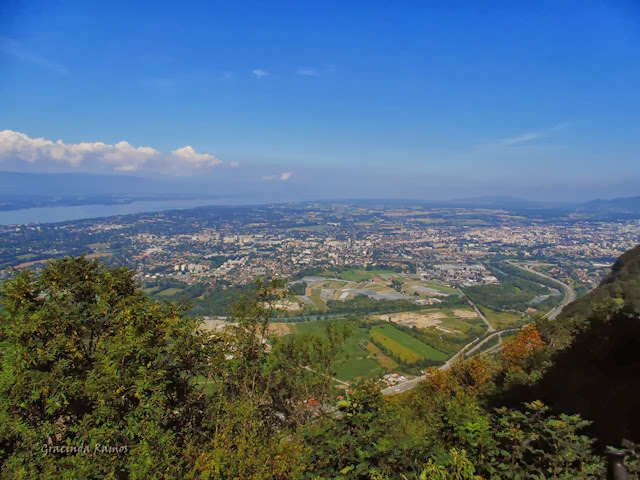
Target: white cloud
[(122, 156), (234, 164), (190, 156), (307, 72), (259, 73), (284, 176)]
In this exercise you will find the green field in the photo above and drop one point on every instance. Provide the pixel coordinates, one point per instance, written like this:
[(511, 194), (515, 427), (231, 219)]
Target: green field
[(359, 368), (501, 320), (168, 292), (404, 345), (464, 326), (360, 274), (356, 362), (439, 286)]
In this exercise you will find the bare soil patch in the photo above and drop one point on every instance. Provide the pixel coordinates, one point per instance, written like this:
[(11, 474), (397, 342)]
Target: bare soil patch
[(410, 319), (465, 314)]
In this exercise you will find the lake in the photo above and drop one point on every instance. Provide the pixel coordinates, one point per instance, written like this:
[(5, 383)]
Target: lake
[(81, 212)]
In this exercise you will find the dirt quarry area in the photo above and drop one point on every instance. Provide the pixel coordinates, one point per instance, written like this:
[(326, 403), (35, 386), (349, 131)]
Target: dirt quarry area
[(425, 319), (285, 305), (410, 319)]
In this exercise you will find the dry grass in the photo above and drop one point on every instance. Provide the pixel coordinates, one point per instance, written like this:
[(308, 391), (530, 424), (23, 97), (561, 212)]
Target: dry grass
[(279, 329), (465, 313), (386, 362)]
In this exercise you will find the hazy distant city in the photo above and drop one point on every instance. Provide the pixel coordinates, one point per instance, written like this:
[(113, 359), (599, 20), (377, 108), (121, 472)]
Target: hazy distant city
[(230, 246)]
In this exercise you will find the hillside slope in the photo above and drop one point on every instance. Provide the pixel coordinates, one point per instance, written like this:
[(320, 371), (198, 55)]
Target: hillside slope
[(621, 286), (593, 367)]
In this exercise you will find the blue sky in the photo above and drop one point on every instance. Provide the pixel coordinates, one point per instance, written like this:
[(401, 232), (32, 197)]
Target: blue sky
[(429, 98)]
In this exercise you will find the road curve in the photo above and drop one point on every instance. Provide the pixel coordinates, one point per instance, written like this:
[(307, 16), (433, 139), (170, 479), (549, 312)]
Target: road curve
[(569, 292), (569, 296)]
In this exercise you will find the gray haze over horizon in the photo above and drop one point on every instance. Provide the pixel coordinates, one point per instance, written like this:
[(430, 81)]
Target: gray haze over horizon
[(314, 184)]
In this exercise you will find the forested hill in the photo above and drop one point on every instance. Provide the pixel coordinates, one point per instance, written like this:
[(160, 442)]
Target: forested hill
[(625, 274), (593, 367), (620, 287)]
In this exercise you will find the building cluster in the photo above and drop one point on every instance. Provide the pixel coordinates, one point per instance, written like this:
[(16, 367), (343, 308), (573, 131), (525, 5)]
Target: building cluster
[(236, 245)]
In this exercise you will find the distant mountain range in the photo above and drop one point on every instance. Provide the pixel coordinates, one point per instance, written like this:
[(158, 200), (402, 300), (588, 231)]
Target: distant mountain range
[(625, 204), (22, 190)]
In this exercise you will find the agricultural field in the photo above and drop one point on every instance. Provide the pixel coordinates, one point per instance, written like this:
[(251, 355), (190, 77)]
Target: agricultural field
[(375, 284), (444, 320), (501, 319), (169, 292), (405, 323), (357, 368), (356, 362), (404, 346), (360, 274), (462, 326), (382, 359), (418, 319)]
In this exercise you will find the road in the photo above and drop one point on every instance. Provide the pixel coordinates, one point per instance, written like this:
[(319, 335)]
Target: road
[(569, 292), (569, 296), (478, 312), (489, 337)]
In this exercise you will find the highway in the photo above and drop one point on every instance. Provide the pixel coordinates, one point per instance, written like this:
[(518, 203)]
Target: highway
[(569, 296), (478, 312), (569, 292)]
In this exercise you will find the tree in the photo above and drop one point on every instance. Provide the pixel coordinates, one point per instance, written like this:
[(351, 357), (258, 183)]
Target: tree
[(517, 352), (89, 363)]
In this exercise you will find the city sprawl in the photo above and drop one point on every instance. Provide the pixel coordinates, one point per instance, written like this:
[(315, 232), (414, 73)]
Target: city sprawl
[(233, 245)]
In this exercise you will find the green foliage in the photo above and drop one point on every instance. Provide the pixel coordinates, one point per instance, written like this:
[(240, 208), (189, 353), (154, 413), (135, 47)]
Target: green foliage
[(602, 364), (620, 287), (352, 443), (456, 466), (534, 444), (217, 301), (88, 360), (298, 288), (365, 305)]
